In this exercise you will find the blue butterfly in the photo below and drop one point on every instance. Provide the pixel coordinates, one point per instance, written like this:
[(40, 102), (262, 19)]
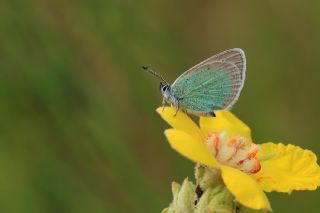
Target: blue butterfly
[(213, 84)]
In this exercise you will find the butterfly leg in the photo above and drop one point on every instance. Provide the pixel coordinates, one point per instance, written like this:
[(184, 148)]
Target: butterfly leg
[(177, 106), (176, 112), (210, 113), (163, 104)]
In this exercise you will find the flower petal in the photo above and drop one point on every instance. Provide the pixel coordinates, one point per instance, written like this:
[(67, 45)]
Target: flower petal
[(245, 189), (181, 121), (287, 168), (225, 121), (190, 147)]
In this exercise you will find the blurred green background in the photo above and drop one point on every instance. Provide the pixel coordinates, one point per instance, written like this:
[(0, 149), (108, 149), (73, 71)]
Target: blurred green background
[(79, 131)]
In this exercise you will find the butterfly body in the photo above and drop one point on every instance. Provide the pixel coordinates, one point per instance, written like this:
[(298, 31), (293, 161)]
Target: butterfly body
[(214, 84), (172, 97)]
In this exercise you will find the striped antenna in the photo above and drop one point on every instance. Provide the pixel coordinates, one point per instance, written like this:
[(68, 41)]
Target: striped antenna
[(154, 73)]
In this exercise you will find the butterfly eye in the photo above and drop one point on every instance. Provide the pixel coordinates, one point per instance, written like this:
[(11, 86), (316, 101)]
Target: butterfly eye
[(165, 88)]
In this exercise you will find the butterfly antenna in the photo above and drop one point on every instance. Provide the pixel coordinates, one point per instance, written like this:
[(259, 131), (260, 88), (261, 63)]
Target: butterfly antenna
[(154, 73)]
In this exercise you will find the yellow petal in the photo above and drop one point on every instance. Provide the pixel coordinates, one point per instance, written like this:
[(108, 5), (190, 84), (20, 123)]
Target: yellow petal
[(181, 121), (190, 147), (288, 168), (245, 189), (225, 121)]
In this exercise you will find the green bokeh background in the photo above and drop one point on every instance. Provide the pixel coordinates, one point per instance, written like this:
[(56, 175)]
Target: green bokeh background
[(79, 131)]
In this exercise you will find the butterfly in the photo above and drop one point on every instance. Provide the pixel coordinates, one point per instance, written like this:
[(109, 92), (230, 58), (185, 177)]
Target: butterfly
[(213, 84)]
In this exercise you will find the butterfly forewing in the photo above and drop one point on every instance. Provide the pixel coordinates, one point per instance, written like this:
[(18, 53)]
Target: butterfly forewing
[(213, 84), (234, 56)]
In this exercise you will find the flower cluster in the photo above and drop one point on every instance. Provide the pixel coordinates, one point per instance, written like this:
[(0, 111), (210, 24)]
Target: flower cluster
[(224, 142)]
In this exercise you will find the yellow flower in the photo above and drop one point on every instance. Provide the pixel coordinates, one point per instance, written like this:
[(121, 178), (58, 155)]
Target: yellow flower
[(224, 142)]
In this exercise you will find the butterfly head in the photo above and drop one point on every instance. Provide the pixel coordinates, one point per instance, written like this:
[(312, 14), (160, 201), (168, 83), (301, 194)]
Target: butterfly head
[(165, 89)]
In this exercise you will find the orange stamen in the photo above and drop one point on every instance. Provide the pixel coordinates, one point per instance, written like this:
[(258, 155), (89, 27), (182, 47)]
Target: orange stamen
[(216, 143), (257, 167), (232, 142)]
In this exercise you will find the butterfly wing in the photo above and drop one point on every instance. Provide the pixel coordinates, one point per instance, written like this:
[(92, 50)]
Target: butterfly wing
[(234, 56), (213, 84)]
